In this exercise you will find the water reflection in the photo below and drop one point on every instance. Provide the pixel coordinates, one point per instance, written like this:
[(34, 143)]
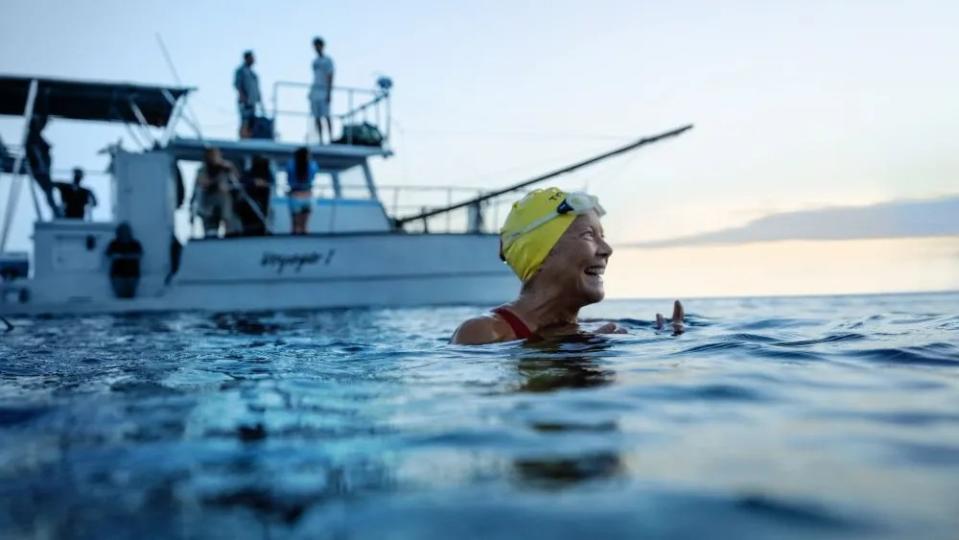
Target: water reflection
[(567, 363), (573, 362), (284, 496), (562, 472), (251, 324)]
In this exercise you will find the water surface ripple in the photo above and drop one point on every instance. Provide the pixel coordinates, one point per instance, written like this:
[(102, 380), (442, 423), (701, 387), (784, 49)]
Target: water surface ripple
[(826, 417)]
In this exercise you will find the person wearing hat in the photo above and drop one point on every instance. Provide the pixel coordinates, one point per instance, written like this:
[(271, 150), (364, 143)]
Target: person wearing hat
[(554, 243)]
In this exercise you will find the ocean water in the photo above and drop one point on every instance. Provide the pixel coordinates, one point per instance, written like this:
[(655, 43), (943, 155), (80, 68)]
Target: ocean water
[(816, 417)]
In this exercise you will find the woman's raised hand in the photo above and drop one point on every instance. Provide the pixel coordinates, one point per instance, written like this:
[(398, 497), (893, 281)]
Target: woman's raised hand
[(676, 320)]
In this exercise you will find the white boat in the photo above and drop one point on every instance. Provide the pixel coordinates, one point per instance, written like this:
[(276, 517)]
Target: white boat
[(355, 252)]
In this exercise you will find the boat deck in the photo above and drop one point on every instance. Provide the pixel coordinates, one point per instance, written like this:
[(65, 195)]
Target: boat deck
[(330, 157)]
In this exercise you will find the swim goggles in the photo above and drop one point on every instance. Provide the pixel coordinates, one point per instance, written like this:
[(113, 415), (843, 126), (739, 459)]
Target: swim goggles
[(576, 202)]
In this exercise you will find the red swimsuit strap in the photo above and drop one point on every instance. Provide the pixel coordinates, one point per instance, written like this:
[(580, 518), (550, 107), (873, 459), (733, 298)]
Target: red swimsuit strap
[(519, 327)]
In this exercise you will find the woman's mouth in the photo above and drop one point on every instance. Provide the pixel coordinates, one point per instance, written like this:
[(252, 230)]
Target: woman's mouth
[(595, 271)]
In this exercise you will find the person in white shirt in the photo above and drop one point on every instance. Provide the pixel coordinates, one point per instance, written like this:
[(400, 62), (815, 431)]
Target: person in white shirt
[(321, 90)]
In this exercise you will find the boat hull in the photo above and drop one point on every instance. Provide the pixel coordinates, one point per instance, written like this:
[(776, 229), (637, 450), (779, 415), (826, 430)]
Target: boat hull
[(296, 272)]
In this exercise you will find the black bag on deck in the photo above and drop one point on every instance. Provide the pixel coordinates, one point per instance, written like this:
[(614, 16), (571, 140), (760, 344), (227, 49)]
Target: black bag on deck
[(262, 128), (364, 134)]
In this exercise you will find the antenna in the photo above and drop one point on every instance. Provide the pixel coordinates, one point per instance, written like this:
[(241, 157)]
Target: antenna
[(194, 123), (169, 60)]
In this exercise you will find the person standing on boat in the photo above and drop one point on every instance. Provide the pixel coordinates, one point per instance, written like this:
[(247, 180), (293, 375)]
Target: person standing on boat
[(124, 253), (212, 200), (257, 182), (75, 197), (554, 242), (37, 151), (299, 177), (322, 89), (247, 86)]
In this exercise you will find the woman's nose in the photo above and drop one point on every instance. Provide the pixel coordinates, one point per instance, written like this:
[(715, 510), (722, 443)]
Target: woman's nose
[(605, 250)]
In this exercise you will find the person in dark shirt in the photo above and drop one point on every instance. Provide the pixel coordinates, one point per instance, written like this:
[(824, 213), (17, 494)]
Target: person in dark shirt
[(75, 197), (124, 253), (257, 182), (247, 86), (37, 151)]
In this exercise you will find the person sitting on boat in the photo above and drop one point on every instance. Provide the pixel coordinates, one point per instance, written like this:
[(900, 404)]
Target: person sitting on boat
[(257, 182), (247, 86), (124, 253), (554, 243), (299, 176), (75, 197), (212, 200)]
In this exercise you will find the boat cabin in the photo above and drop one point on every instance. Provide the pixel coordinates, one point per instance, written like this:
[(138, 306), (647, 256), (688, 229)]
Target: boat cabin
[(149, 193)]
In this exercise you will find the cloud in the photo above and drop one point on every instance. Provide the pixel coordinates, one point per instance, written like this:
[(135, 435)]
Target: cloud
[(895, 219)]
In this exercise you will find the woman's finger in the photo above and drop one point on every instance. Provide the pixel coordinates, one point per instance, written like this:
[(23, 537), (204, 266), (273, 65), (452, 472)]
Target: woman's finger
[(678, 315)]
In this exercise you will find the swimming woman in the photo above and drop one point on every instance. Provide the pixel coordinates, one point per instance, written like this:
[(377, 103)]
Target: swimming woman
[(554, 243)]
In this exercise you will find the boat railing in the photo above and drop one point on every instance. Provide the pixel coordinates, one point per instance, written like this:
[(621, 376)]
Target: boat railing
[(352, 107), (406, 199), (400, 200)]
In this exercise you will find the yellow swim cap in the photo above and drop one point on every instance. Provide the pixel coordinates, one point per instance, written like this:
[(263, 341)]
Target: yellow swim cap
[(525, 252)]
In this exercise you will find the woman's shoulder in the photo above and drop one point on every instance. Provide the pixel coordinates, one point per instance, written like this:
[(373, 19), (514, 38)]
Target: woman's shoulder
[(481, 330)]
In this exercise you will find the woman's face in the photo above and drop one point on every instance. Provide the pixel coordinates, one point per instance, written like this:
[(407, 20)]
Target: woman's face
[(577, 262)]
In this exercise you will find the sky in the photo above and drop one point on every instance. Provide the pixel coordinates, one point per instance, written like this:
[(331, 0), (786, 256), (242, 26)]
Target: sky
[(798, 107)]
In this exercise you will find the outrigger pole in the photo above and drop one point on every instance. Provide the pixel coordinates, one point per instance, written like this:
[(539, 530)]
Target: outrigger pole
[(477, 200)]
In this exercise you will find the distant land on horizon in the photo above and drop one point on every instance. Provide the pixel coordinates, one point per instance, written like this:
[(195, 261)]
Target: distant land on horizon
[(894, 219)]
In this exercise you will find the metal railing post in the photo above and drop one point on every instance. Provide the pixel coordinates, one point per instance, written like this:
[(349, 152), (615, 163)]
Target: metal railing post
[(349, 137), (17, 177), (276, 99), (449, 201), (389, 117)]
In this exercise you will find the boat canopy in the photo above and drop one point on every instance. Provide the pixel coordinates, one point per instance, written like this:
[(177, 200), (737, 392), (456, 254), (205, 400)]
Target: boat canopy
[(329, 157), (91, 100)]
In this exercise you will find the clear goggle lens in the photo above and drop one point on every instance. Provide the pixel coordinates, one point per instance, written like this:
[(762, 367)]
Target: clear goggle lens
[(580, 203), (577, 203)]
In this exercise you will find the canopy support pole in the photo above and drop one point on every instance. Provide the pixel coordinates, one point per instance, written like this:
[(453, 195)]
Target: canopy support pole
[(368, 176), (144, 126), (174, 116), (134, 137), (17, 177)]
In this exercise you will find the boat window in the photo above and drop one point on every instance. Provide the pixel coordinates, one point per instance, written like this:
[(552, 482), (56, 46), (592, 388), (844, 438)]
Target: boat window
[(353, 183)]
